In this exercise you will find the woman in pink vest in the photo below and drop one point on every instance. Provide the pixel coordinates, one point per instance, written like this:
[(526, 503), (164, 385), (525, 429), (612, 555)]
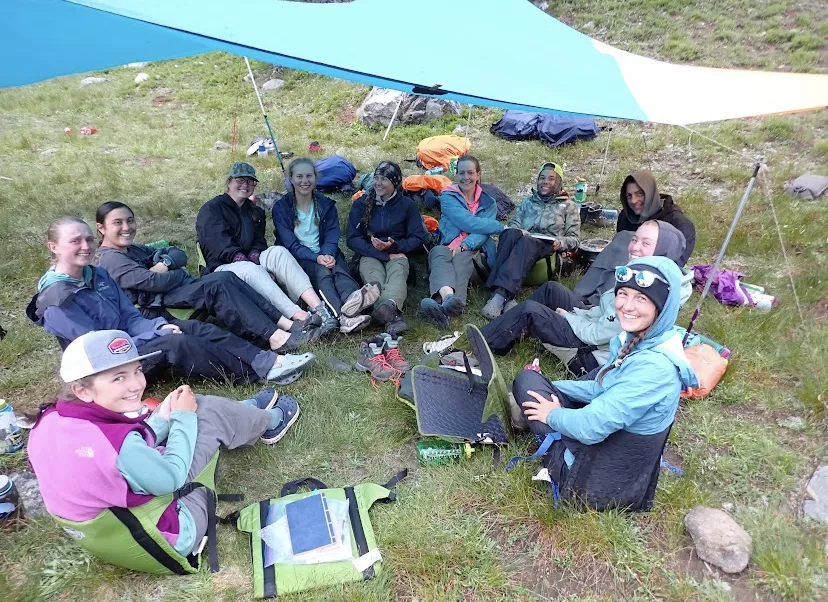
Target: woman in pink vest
[(98, 447)]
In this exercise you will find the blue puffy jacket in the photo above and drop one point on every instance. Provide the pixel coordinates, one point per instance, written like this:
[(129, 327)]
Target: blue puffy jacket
[(284, 215), (455, 218), (397, 219)]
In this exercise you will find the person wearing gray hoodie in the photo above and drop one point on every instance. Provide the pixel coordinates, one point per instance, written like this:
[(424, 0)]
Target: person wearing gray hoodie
[(580, 336)]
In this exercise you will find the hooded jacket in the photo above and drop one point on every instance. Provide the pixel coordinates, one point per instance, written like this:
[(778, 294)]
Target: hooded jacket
[(656, 206), (559, 217), (641, 394), (224, 229), (284, 216), (130, 269), (68, 310), (456, 218), (398, 218)]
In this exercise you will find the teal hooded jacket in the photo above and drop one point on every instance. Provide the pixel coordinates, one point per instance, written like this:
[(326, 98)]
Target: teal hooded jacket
[(641, 394)]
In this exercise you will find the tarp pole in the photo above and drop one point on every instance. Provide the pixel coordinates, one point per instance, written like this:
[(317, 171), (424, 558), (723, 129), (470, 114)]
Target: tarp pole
[(394, 116), (718, 261), (267, 121), (468, 123), (604, 164)]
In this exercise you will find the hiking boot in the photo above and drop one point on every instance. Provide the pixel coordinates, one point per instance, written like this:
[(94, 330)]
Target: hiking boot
[(393, 355), (511, 304), (434, 313), (442, 344), (298, 339), (371, 359), (329, 323), (311, 322), (453, 306), (397, 326), (493, 307), (290, 412), (360, 300), (384, 312), (347, 325)]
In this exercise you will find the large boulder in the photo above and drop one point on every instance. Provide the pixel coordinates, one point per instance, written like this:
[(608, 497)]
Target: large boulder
[(817, 507), (719, 539), (378, 107)]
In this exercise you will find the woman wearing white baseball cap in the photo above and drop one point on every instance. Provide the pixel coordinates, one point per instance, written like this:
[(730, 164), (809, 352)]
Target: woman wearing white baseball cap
[(97, 447)]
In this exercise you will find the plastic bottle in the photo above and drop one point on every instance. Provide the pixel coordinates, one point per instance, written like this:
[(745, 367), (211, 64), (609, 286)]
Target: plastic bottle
[(11, 439), (158, 244), (434, 171), (611, 215), (262, 151), (453, 166), (580, 190), (442, 452)]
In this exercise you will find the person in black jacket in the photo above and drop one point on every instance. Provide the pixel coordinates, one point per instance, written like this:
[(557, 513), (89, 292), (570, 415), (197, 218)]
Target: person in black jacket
[(231, 235), (384, 227), (155, 279), (642, 202), (306, 223)]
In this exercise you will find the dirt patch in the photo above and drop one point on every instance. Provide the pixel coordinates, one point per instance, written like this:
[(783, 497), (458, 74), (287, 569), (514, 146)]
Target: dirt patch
[(819, 310), (159, 101), (684, 561), (347, 116), (142, 160)]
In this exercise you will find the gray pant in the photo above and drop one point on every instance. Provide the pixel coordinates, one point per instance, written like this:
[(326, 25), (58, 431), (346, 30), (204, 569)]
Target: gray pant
[(274, 263), (391, 275), (450, 270), (224, 423)]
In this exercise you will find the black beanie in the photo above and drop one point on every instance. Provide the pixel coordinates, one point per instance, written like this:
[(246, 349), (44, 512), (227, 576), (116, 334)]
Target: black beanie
[(391, 171), (657, 292)]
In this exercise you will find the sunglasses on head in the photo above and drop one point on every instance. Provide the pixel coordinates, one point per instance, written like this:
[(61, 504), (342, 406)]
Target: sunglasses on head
[(643, 278)]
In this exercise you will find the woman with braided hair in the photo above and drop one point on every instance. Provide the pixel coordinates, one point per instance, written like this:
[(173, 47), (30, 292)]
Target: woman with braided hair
[(306, 223), (384, 228), (636, 391)]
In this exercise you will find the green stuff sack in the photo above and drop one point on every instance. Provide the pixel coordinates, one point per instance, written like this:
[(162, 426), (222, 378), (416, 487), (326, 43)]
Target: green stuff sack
[(279, 579), (129, 538)]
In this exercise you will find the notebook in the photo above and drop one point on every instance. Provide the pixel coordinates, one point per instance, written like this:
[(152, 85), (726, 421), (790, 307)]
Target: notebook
[(309, 523), (544, 237)]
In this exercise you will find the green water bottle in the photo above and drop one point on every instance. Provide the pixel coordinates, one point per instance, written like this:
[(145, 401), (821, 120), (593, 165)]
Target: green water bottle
[(435, 453), (580, 190), (158, 244)]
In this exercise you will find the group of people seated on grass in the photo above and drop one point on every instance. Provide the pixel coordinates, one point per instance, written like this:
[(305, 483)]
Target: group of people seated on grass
[(120, 311)]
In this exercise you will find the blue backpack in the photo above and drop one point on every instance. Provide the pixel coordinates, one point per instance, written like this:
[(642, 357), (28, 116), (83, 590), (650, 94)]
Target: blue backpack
[(335, 173)]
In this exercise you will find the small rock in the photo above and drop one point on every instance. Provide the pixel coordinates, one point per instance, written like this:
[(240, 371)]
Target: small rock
[(136, 65), (141, 78), (272, 84), (817, 506), (589, 25), (48, 152), (541, 4), (29, 491), (88, 81), (459, 129), (728, 506), (247, 77), (794, 423), (222, 145), (719, 539)]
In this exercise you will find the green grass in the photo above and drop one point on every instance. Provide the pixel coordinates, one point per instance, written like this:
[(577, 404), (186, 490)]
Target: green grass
[(470, 531)]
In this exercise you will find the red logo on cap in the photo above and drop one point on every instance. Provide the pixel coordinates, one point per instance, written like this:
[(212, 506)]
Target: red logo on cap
[(120, 345)]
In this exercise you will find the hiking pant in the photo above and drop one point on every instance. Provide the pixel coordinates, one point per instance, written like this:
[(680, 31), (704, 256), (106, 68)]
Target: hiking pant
[(516, 254), (555, 295), (242, 310), (391, 276), (334, 285), (224, 423), (206, 351), (529, 380), (274, 263), (450, 270)]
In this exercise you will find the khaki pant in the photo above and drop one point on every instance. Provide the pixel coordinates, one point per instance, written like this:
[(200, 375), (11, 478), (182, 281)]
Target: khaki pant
[(450, 270), (275, 263), (392, 277)]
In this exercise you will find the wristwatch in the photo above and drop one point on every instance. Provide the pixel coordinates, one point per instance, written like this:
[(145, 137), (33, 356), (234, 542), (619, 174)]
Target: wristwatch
[(165, 259)]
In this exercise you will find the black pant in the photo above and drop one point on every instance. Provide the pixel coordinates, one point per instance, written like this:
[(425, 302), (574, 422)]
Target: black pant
[(335, 284), (242, 310), (529, 380), (206, 351), (555, 295), (516, 254)]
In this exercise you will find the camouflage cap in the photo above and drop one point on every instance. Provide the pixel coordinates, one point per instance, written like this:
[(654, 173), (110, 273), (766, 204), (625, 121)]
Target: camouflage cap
[(241, 169)]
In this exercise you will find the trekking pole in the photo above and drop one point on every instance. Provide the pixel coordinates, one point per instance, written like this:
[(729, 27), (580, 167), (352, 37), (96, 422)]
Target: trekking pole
[(267, 121), (394, 116), (718, 261), (603, 165)]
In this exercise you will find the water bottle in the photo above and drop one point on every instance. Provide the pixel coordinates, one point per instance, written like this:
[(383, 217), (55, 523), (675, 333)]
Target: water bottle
[(611, 215), (580, 190), (435, 171), (262, 152), (11, 439), (436, 453), (11, 509), (453, 166)]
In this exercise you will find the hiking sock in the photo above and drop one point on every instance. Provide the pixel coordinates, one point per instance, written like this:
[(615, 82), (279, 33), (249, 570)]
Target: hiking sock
[(277, 416)]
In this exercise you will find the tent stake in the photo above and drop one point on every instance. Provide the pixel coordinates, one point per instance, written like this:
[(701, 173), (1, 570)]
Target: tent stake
[(394, 116), (267, 121), (718, 261)]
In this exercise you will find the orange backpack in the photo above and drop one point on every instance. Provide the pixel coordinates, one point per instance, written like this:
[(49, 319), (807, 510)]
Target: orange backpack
[(434, 183), (439, 150)]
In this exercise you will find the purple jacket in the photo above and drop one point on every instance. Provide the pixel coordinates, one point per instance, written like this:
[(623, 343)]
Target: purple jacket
[(74, 450)]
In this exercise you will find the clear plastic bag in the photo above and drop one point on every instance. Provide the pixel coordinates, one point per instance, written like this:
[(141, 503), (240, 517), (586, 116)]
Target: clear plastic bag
[(276, 536)]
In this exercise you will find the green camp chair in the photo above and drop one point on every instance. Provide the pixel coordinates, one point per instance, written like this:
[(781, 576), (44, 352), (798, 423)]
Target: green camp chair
[(129, 538), (544, 271)]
